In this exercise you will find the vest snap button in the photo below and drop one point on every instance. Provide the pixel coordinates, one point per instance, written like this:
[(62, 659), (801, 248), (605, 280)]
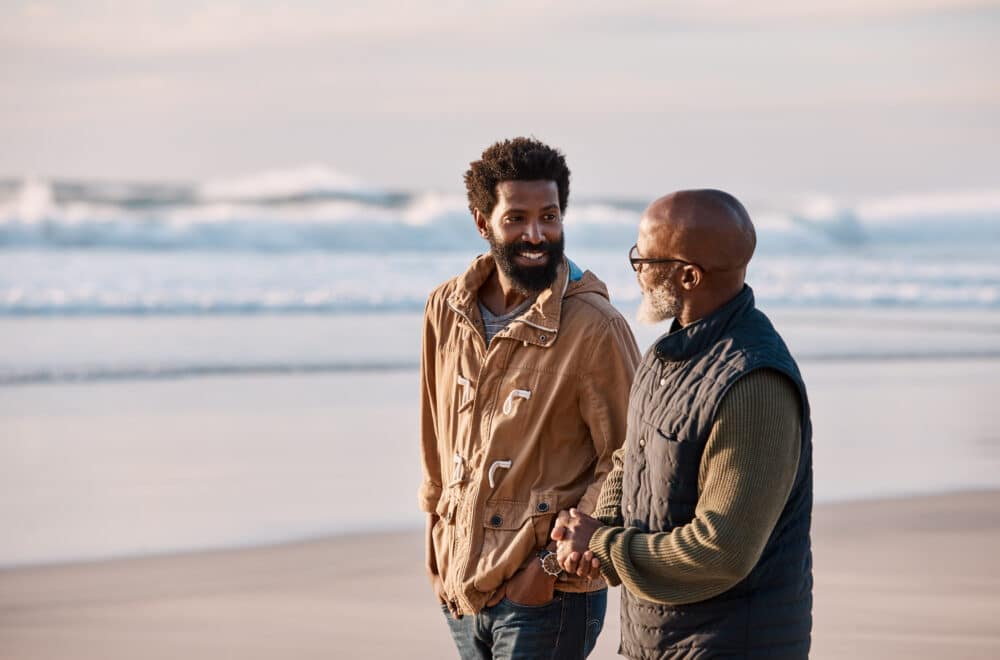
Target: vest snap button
[(542, 337), (543, 506), (496, 521)]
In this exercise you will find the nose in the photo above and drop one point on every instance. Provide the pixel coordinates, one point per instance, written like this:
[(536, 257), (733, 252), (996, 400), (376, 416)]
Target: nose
[(532, 233)]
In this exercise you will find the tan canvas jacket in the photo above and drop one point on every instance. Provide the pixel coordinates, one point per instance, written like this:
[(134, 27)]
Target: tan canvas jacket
[(512, 434)]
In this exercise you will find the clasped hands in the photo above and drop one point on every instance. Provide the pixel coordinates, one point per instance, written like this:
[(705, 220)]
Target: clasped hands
[(572, 532)]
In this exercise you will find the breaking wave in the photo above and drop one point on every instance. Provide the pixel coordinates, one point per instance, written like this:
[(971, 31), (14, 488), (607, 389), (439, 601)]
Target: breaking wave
[(313, 240), (316, 208)]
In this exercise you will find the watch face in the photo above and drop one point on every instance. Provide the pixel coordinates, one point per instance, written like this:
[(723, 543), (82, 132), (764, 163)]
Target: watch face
[(550, 564)]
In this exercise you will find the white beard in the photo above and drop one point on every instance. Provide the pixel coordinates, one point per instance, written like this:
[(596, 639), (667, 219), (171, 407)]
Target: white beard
[(658, 304)]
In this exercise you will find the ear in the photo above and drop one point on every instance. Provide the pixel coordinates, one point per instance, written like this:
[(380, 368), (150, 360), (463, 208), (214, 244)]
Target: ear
[(691, 277), (482, 223)]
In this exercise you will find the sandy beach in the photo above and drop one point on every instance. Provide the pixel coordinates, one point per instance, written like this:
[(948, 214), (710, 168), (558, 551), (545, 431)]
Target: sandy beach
[(170, 472), (895, 578), (220, 225)]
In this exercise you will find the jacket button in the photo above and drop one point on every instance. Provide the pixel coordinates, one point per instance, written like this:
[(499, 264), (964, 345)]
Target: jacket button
[(642, 442), (496, 521), (663, 381), (629, 508), (543, 506)]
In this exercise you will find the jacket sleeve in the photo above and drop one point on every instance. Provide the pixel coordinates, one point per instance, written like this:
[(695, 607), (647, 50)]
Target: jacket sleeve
[(430, 488), (605, 387)]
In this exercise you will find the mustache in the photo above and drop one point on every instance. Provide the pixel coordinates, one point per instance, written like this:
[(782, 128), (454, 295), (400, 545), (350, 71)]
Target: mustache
[(548, 247)]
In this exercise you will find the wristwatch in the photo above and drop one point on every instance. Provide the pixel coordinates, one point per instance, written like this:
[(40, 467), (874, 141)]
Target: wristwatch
[(550, 563)]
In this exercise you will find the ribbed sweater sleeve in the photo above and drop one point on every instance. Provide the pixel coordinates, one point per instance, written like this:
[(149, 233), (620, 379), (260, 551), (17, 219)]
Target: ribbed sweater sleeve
[(746, 473), (609, 503)]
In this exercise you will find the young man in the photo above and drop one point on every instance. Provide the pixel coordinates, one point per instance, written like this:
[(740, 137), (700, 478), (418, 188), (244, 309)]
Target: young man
[(705, 518), (526, 370)]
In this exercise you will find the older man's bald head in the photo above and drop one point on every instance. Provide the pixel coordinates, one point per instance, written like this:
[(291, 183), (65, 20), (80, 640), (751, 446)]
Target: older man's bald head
[(707, 227)]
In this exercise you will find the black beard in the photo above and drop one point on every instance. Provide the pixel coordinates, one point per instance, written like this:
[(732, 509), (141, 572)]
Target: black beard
[(528, 279)]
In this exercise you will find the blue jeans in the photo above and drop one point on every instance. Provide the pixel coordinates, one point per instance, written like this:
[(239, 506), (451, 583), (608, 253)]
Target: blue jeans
[(567, 628)]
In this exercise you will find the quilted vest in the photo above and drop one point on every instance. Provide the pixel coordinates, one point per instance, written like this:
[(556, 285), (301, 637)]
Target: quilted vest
[(674, 398)]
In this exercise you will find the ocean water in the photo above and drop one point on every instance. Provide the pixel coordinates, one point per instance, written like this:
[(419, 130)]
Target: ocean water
[(316, 241), (190, 366)]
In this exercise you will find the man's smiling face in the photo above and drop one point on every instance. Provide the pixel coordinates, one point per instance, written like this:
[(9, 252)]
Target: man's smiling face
[(525, 233)]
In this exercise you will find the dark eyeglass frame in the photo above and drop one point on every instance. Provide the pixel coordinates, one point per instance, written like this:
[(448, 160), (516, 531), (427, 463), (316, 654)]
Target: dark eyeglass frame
[(638, 261)]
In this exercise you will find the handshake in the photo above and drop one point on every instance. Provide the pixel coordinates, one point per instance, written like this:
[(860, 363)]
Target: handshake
[(572, 532)]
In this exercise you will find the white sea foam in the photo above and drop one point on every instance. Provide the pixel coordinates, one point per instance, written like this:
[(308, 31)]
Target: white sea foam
[(317, 241), (318, 208)]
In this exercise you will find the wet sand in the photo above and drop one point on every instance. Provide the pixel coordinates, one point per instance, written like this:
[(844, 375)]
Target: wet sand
[(896, 578)]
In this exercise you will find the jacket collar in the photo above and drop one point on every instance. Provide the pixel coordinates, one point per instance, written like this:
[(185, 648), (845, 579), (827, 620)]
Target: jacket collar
[(539, 324), (684, 343)]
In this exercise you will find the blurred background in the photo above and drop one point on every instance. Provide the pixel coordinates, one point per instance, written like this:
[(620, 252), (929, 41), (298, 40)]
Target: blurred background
[(219, 223)]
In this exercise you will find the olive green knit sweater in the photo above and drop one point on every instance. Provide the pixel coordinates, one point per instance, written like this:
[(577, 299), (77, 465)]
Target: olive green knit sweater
[(746, 474)]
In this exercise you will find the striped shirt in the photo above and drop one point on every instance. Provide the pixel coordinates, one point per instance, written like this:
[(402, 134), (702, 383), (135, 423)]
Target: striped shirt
[(493, 324)]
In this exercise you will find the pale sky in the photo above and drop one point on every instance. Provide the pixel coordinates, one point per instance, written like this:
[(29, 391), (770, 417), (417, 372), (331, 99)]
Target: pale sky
[(843, 97)]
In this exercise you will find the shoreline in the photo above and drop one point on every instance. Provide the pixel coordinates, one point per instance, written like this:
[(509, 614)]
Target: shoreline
[(407, 530), (915, 577)]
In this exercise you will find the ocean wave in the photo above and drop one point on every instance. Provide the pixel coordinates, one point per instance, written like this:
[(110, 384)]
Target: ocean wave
[(317, 208)]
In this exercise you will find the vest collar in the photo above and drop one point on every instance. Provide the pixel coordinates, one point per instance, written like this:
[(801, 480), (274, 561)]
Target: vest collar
[(684, 343), (539, 324)]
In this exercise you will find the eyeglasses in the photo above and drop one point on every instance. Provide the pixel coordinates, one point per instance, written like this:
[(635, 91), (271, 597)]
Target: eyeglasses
[(636, 260)]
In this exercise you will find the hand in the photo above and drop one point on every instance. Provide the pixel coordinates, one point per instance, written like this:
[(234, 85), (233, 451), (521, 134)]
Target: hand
[(529, 586), (431, 566), (438, 584), (572, 532)]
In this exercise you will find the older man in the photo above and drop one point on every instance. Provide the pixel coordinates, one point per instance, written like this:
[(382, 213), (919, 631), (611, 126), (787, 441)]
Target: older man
[(705, 517)]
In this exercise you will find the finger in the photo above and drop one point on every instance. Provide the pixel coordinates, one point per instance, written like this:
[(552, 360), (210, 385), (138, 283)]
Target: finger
[(572, 562), (558, 533), (585, 563)]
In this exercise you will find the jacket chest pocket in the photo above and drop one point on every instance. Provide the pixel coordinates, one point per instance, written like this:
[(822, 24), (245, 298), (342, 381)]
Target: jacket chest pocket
[(527, 404), (671, 463)]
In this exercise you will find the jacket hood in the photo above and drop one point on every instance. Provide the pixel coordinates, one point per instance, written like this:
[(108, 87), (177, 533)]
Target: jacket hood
[(586, 282), (540, 323)]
